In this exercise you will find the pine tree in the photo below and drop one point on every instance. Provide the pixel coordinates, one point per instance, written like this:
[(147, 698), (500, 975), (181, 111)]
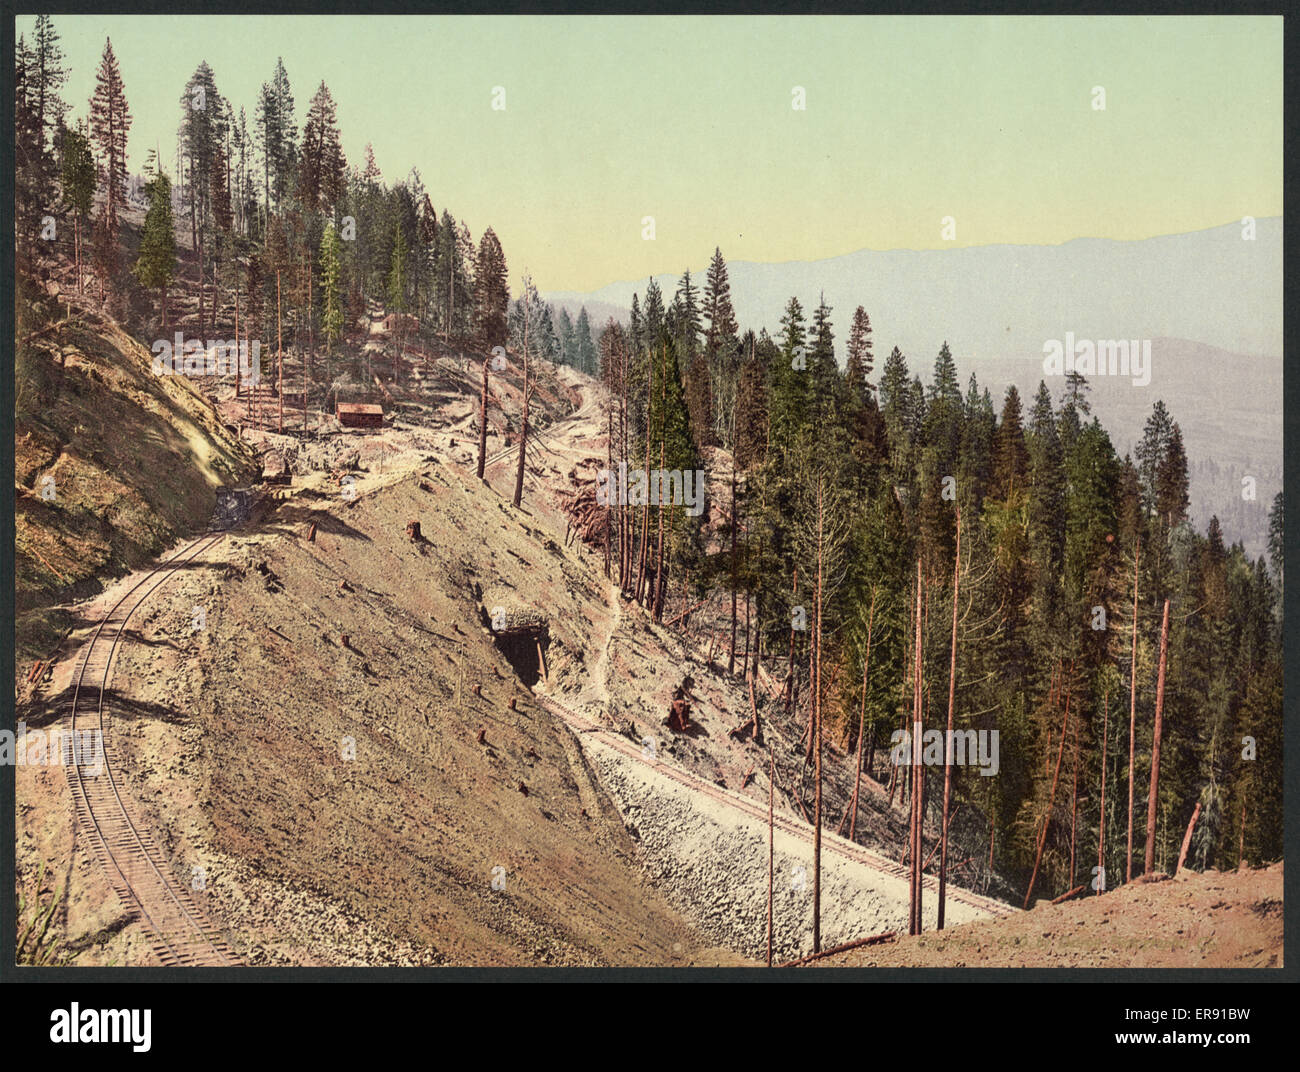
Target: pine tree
[(1010, 456), (322, 164), (858, 368), (29, 187), (718, 310), (492, 293), (110, 122), (584, 349), (78, 185), (1151, 452), (277, 136), (201, 133), (826, 406), (636, 326), (330, 288), (688, 320), (45, 77), (1172, 497), (155, 265)]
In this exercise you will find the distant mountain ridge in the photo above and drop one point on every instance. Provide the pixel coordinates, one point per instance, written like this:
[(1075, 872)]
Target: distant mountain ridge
[(1212, 286), (1210, 301)]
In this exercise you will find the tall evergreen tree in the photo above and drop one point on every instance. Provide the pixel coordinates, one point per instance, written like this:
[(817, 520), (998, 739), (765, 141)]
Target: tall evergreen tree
[(858, 367), (110, 122), (492, 292), (322, 166), (718, 310), (155, 265)]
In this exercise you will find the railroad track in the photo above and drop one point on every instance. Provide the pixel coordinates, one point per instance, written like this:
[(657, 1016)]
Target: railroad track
[(830, 842), (132, 860)]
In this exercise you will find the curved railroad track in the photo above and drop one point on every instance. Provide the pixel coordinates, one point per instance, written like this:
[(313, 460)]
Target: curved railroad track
[(132, 860), (830, 842)]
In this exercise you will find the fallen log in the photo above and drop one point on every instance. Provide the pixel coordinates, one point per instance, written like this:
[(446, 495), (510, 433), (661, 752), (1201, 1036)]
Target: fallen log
[(875, 939), (687, 611), (1073, 893)]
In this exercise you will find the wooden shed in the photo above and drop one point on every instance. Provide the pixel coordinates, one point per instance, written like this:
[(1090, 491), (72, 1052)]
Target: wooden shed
[(360, 415)]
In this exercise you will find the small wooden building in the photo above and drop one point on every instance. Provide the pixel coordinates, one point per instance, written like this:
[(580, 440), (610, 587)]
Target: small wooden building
[(360, 415)]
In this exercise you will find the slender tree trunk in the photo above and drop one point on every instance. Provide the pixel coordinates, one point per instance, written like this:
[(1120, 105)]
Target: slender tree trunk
[(482, 423), (1051, 801), (657, 608), (609, 506), (789, 681), (1187, 838), (279, 351), (201, 292), (1155, 743), (947, 742), (862, 716), (523, 432), (643, 550), (745, 657), (918, 783), (298, 346), (897, 777), (1101, 827), (1132, 712), (731, 658), (1074, 806), (771, 844), (817, 717), (311, 345), (237, 362)]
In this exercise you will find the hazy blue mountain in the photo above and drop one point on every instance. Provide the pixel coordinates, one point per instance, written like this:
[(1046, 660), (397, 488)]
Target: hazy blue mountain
[(1005, 301), (1209, 301)]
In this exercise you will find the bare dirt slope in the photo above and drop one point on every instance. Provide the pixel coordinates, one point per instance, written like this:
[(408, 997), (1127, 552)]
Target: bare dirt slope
[(235, 738), (112, 464), (1229, 919)]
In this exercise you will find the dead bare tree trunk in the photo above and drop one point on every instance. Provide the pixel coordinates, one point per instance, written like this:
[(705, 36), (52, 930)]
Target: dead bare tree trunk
[(731, 656), (1155, 743), (306, 358), (745, 662), (1187, 838), (656, 609), (895, 775), (789, 677), (609, 469), (643, 551), (771, 839), (1132, 711), (1051, 801), (482, 423), (947, 743), (1101, 826), (862, 715), (523, 420), (1074, 803), (279, 350), (817, 716), (917, 774)]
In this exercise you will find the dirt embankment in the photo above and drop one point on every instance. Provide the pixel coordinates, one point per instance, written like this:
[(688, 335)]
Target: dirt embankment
[(335, 792), (1212, 919), (112, 464)]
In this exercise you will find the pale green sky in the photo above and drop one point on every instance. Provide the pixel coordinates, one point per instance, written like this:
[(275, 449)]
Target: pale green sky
[(689, 120)]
